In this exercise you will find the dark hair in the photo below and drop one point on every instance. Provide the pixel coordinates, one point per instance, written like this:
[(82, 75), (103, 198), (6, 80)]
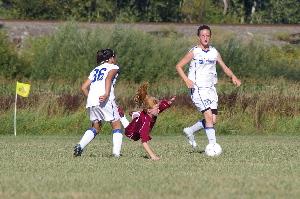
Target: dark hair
[(104, 55), (203, 27)]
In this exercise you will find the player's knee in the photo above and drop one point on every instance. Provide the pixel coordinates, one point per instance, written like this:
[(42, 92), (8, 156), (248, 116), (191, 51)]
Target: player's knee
[(117, 131), (97, 126), (214, 121)]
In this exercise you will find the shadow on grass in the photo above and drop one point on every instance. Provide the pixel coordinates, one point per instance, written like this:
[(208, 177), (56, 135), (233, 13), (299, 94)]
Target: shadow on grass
[(197, 151)]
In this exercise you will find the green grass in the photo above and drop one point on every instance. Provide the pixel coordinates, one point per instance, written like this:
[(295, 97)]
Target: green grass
[(257, 166)]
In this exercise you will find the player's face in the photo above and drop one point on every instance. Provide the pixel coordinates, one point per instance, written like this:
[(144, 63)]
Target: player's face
[(154, 111), (114, 59), (204, 37)]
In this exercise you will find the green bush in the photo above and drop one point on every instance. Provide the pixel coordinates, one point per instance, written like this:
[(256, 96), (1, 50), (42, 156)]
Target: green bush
[(257, 60), (70, 54), (11, 65)]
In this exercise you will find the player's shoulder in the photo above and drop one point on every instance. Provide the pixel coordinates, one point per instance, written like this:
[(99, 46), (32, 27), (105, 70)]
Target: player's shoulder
[(194, 48), (145, 116), (112, 66), (213, 49)]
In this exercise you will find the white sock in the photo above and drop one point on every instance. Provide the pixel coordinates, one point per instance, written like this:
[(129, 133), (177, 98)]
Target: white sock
[(211, 135), (124, 121), (87, 137), (117, 142), (197, 126)]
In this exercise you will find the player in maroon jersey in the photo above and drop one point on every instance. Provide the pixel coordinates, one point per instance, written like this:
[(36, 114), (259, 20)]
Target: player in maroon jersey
[(143, 121)]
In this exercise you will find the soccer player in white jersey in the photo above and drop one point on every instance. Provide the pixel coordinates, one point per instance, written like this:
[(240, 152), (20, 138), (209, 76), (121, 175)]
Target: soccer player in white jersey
[(101, 105), (201, 80)]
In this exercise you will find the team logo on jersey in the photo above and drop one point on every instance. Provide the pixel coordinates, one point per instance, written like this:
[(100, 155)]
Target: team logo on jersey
[(210, 61), (201, 61)]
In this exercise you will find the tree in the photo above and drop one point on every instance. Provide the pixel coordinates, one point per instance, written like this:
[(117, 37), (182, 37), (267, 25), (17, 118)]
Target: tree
[(193, 10)]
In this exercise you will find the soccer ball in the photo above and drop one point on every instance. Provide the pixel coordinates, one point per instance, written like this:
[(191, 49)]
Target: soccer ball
[(213, 150)]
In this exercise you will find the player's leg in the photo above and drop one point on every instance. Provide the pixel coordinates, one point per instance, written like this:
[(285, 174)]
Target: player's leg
[(117, 138), (215, 113), (124, 121), (209, 126), (96, 116), (200, 124), (198, 96), (212, 114), (87, 137)]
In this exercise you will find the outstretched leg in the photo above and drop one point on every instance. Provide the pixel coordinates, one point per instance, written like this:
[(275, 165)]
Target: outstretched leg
[(87, 137)]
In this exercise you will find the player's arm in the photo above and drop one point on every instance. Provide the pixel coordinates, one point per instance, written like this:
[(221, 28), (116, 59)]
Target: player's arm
[(179, 67), (228, 72), (164, 104), (85, 87), (145, 138), (150, 151), (108, 81)]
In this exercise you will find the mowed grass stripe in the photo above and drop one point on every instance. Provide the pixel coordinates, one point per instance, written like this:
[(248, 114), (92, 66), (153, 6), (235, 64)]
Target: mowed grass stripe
[(257, 166)]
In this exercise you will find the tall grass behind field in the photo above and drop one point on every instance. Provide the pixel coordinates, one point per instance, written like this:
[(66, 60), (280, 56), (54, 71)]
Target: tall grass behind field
[(265, 106), (69, 54), (259, 60)]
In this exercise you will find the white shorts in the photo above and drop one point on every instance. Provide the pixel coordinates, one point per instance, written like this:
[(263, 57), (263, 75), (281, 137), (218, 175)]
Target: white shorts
[(107, 111), (205, 98)]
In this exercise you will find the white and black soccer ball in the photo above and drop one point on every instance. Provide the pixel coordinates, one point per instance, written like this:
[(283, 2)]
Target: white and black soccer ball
[(213, 150)]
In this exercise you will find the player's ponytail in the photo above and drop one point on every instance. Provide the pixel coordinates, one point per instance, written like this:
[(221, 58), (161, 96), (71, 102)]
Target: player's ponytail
[(142, 99)]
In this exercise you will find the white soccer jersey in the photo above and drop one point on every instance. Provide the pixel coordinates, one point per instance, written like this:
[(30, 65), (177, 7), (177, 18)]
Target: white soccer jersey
[(97, 87), (202, 70)]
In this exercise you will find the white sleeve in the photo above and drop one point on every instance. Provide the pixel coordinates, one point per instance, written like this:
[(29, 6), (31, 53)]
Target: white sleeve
[(92, 75)]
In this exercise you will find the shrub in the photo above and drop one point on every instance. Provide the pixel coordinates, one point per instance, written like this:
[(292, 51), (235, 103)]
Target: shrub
[(11, 65)]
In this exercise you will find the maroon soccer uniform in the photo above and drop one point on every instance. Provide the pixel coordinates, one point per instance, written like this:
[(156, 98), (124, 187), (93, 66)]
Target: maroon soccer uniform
[(140, 127)]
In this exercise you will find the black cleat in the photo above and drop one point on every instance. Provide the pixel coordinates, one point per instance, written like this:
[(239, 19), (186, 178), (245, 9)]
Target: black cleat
[(77, 150)]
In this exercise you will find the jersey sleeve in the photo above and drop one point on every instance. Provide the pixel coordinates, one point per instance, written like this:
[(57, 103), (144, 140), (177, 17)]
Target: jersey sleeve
[(92, 75), (163, 105), (113, 66), (192, 49), (215, 50)]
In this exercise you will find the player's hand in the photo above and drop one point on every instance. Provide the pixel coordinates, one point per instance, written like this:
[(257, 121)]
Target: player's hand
[(103, 98), (172, 100), (236, 81), (155, 158), (189, 83)]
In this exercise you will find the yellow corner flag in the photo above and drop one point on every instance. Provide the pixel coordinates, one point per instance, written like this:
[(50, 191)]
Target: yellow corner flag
[(23, 89)]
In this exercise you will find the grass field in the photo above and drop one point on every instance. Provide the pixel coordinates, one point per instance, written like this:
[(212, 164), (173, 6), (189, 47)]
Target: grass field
[(257, 166)]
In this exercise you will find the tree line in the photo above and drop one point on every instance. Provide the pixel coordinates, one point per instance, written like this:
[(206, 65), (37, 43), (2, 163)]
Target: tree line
[(182, 11)]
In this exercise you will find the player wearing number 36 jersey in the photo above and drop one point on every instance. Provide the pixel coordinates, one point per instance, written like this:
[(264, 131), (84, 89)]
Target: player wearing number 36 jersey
[(97, 88), (101, 105)]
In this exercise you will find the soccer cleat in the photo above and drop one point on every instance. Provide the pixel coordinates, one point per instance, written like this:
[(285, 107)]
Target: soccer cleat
[(77, 150), (190, 136), (116, 155)]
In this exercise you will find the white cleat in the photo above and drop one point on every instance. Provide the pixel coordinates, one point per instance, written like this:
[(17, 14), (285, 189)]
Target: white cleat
[(190, 136), (116, 155)]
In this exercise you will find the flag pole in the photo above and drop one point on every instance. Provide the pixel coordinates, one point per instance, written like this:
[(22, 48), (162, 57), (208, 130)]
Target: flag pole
[(15, 115)]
